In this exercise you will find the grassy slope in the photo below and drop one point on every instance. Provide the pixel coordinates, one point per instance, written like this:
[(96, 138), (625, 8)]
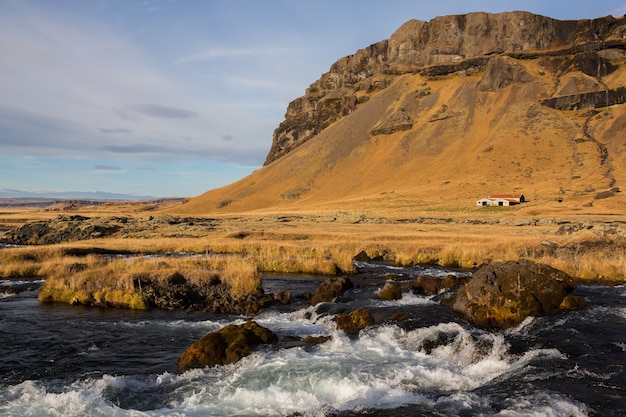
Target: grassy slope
[(493, 142)]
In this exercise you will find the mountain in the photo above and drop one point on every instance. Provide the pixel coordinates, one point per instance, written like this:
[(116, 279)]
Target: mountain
[(67, 195), (448, 111)]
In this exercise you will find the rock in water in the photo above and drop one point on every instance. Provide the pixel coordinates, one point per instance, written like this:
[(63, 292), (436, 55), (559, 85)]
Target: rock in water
[(355, 321), (503, 294), (391, 291), (331, 289), (226, 345)]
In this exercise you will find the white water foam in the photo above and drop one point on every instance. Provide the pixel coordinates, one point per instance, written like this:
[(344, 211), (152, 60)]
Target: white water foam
[(386, 367)]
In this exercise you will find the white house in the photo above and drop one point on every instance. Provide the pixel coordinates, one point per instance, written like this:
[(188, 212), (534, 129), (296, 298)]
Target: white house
[(501, 200)]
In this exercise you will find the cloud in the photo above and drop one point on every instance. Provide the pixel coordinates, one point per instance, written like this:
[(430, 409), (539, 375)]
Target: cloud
[(137, 148), (227, 138), (619, 11), (156, 110), (102, 167), (220, 52), (115, 131)]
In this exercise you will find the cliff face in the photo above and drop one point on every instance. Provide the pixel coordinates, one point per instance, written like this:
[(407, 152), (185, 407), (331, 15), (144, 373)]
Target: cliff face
[(448, 111), (462, 44)]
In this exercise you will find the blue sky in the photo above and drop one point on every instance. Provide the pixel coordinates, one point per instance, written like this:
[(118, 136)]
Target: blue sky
[(175, 97)]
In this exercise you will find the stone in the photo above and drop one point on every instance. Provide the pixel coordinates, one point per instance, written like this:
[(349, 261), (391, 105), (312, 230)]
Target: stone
[(331, 289), (355, 321), (503, 294), (316, 340), (424, 285), (500, 72), (227, 345), (573, 302), (390, 291)]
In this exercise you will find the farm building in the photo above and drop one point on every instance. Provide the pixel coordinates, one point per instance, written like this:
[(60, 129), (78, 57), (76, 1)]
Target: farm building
[(501, 200)]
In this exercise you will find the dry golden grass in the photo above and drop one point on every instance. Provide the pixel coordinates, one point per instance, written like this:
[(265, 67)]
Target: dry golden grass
[(321, 242), (326, 242), (117, 281)]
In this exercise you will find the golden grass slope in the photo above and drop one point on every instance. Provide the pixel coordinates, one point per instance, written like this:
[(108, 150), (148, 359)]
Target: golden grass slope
[(464, 144)]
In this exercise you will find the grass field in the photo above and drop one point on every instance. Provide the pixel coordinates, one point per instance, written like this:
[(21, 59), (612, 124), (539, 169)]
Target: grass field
[(321, 243)]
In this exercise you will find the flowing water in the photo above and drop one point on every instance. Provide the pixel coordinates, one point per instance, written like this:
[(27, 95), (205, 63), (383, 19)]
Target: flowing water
[(58, 360)]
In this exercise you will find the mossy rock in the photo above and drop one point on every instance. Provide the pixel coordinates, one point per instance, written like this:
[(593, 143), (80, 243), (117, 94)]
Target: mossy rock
[(227, 345), (355, 321), (504, 294)]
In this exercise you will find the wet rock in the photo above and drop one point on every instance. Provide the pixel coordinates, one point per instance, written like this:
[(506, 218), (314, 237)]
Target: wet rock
[(331, 289), (424, 285), (399, 316), (212, 296), (226, 345), (316, 340), (573, 302), (390, 291), (504, 294), (353, 322)]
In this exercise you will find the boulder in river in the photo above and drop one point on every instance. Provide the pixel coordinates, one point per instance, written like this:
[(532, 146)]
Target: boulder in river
[(503, 294), (226, 345), (355, 321), (331, 289), (390, 291)]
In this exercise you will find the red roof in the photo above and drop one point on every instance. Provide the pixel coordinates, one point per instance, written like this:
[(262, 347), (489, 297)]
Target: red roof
[(507, 196)]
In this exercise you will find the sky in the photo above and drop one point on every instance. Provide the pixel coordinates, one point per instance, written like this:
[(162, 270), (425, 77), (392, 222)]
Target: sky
[(172, 98)]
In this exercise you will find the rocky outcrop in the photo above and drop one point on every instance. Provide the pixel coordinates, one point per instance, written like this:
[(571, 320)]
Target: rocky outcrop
[(70, 228), (176, 293), (500, 72), (446, 45), (330, 289), (594, 99), (227, 345), (504, 294), (62, 229)]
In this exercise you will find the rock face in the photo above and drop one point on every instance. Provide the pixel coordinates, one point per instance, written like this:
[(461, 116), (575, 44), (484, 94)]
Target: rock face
[(225, 346), (504, 294), (449, 44)]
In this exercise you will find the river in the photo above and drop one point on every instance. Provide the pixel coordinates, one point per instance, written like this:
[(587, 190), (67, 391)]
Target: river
[(58, 360)]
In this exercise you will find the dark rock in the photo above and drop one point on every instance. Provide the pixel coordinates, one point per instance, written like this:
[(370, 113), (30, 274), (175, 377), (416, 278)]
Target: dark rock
[(331, 289), (353, 322), (573, 302), (390, 291), (500, 72), (399, 316), (225, 346), (362, 257), (424, 285), (394, 122), (316, 340), (504, 294)]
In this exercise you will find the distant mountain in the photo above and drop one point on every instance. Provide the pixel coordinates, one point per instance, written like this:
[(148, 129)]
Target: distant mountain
[(69, 195), (449, 111)]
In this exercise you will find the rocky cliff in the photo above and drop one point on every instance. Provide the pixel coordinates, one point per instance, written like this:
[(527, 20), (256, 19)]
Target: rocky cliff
[(449, 111), (464, 44)]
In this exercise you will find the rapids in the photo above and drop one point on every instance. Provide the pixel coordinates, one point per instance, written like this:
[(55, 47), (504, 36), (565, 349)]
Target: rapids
[(58, 360)]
